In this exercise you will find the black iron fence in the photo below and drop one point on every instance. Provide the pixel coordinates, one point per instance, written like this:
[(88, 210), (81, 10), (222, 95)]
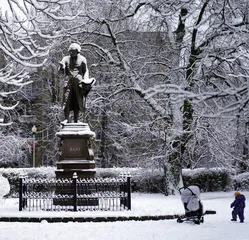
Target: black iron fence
[(75, 194)]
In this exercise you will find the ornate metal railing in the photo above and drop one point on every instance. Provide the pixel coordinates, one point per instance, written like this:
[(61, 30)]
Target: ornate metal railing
[(113, 194)]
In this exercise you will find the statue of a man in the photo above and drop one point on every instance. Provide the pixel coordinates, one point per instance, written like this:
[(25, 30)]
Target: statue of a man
[(76, 83)]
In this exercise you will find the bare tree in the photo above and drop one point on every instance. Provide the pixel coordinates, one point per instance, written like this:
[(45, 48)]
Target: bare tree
[(25, 43), (197, 75), (171, 75), (14, 151), (28, 30)]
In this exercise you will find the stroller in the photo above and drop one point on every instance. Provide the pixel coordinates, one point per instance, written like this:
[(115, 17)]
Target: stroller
[(190, 197)]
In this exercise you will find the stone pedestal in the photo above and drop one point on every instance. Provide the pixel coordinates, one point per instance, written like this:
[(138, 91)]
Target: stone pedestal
[(76, 154)]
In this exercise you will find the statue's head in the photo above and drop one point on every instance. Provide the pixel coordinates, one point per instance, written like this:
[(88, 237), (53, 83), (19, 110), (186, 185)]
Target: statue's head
[(74, 49)]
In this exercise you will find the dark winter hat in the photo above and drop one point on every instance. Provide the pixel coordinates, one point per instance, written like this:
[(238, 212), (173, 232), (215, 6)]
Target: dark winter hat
[(236, 194)]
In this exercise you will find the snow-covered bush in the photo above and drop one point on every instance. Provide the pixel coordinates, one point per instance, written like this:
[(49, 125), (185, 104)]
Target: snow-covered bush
[(148, 181), (241, 181), (115, 172), (12, 150), (13, 174), (142, 180), (209, 180)]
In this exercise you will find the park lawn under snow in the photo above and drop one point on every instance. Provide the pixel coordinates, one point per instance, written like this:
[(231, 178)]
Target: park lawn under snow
[(216, 226)]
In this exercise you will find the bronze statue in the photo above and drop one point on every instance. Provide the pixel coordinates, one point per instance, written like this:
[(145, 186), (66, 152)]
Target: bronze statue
[(77, 84)]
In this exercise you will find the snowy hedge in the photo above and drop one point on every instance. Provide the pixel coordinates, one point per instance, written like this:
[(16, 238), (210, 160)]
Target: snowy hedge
[(142, 180), (13, 175), (241, 182), (148, 181), (209, 180)]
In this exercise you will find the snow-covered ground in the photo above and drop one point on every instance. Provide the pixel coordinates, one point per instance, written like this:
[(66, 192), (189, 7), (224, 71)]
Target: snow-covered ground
[(217, 226)]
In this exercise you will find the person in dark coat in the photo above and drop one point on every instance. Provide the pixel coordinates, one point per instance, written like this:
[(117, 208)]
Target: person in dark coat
[(77, 83), (238, 206)]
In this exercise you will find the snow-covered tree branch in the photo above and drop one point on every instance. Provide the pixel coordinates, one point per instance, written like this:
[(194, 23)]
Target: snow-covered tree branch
[(26, 39)]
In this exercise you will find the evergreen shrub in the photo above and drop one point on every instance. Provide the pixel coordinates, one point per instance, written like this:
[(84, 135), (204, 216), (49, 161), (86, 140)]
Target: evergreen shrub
[(142, 180), (241, 182), (209, 180), (148, 181), (13, 174)]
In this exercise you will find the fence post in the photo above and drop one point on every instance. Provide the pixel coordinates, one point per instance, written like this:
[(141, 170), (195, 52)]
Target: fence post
[(20, 192), (129, 192), (75, 192)]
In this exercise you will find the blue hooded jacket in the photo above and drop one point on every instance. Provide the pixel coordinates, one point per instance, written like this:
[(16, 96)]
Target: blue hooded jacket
[(239, 202)]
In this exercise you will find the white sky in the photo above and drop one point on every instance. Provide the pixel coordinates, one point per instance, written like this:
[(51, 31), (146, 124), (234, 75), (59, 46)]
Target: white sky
[(215, 227)]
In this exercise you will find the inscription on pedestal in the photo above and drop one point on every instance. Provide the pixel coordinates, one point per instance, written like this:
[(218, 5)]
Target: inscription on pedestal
[(74, 149)]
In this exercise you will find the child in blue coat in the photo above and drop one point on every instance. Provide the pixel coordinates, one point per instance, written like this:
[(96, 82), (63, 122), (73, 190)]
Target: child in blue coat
[(238, 206)]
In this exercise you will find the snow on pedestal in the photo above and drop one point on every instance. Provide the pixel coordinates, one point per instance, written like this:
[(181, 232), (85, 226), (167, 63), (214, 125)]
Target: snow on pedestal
[(75, 129), (4, 187)]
